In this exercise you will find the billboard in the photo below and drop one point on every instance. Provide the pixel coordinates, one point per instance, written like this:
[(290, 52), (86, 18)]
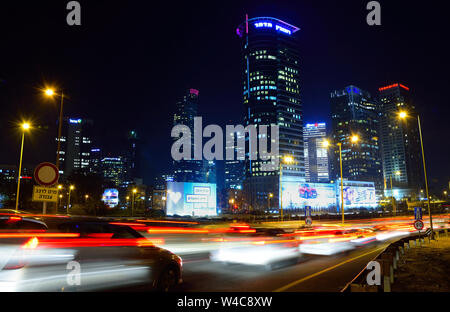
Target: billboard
[(357, 194), (191, 199), (297, 195), (111, 197)]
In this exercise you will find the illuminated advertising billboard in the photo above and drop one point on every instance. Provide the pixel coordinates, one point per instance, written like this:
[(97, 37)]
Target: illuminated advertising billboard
[(357, 194), (191, 199), (297, 195), (111, 197)]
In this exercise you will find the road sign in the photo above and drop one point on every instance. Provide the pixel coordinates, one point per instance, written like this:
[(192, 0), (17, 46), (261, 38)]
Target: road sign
[(308, 220), (307, 211), (45, 194), (418, 224), (46, 174), (418, 213)]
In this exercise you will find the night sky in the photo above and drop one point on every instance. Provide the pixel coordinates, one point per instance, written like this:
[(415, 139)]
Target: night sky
[(129, 61)]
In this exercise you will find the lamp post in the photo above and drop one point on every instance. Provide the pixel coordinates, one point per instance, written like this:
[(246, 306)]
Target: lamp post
[(404, 115), (50, 93), (268, 200), (286, 160), (132, 202), (25, 126), (354, 139), (59, 196), (60, 201), (68, 199)]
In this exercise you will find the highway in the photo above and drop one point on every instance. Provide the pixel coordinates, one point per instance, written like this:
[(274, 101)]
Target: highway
[(310, 274)]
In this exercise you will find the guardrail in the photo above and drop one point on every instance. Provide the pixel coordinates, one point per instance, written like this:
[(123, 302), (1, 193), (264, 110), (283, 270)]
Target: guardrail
[(388, 260)]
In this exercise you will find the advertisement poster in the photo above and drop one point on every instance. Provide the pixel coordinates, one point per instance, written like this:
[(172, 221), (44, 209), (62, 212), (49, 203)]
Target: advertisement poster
[(191, 199), (317, 195), (111, 197)]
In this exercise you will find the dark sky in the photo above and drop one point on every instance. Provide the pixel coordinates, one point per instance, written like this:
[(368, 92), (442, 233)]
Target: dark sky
[(129, 61)]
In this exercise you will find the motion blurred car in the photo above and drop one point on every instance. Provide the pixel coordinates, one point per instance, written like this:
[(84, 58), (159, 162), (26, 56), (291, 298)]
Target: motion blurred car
[(265, 247), (100, 255), (305, 191)]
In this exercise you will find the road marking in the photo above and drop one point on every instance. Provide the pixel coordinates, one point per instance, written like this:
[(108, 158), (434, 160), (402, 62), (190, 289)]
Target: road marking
[(323, 271)]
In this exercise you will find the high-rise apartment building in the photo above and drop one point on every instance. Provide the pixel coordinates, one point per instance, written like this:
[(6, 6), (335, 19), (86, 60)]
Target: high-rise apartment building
[(271, 96), (316, 154), (400, 144), (355, 113)]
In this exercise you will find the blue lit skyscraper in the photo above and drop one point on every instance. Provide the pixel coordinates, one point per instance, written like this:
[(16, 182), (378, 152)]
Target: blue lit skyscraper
[(271, 96)]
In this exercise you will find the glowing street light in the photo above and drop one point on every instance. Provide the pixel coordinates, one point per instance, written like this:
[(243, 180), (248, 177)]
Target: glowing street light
[(403, 115), (68, 199), (25, 127), (354, 139), (268, 200), (50, 93), (287, 160), (132, 202)]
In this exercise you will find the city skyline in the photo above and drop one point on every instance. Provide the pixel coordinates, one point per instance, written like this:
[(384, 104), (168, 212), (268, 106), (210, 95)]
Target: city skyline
[(25, 90)]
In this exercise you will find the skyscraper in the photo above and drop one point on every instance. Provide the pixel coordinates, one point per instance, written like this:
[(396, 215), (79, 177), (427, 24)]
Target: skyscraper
[(75, 145), (234, 169), (316, 155), (132, 159), (186, 110), (354, 112), (399, 138), (271, 96), (113, 169)]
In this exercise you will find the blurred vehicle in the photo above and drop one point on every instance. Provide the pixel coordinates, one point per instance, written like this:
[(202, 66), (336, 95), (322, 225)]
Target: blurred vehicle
[(100, 255), (264, 247), (305, 191)]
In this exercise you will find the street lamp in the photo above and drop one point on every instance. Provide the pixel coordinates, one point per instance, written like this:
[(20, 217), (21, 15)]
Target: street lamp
[(50, 93), (132, 202), (403, 115), (60, 196), (287, 160), (25, 127), (268, 200), (354, 139), (68, 199)]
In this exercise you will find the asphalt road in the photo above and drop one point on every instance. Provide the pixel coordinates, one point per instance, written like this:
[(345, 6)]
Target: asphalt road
[(309, 274)]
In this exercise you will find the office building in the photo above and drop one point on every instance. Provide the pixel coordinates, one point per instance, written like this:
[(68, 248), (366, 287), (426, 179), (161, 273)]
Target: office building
[(186, 110), (400, 143), (316, 154), (113, 169), (355, 113), (76, 144), (271, 96)]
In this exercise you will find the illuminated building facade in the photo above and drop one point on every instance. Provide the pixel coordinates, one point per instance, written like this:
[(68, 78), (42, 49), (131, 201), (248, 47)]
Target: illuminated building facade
[(400, 143), (316, 155), (271, 96), (132, 158), (76, 141), (234, 169), (354, 112), (114, 169), (186, 110)]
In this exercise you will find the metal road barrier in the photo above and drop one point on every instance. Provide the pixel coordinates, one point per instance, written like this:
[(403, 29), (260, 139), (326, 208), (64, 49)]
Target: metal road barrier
[(388, 260)]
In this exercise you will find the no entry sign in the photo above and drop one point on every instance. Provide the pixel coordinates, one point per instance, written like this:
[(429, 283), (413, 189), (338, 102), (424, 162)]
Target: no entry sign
[(418, 224), (46, 174)]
